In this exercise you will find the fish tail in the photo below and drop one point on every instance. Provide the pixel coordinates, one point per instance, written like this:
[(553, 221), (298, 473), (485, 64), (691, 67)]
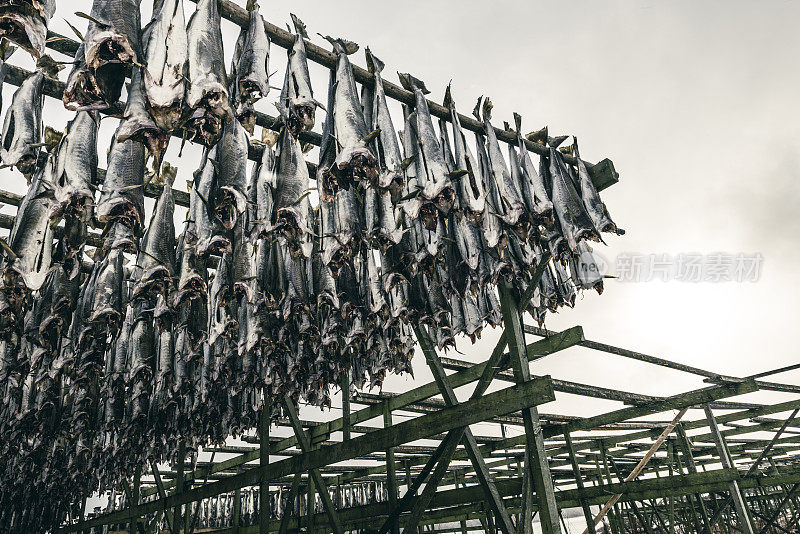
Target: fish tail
[(411, 83), (448, 97), (374, 64), (518, 122), (299, 26)]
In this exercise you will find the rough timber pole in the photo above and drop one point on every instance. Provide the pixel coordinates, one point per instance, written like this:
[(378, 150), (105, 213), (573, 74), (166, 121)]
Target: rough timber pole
[(736, 492), (539, 467), (263, 460), (179, 467), (576, 471), (391, 475)]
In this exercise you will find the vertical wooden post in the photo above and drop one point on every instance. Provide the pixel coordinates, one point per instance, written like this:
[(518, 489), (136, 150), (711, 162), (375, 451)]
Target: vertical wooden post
[(613, 515), (345, 404), (137, 484), (237, 510), (179, 466), (391, 475), (736, 493), (683, 440), (263, 461), (670, 461), (537, 456), (576, 472)]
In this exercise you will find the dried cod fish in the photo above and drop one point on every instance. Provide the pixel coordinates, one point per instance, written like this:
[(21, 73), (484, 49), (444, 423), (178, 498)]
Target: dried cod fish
[(595, 207), (575, 222), (208, 94), (22, 128), (137, 123), (296, 104), (229, 197), (392, 166), (25, 23), (122, 195), (291, 196), (252, 69), (76, 166), (471, 187), (166, 64)]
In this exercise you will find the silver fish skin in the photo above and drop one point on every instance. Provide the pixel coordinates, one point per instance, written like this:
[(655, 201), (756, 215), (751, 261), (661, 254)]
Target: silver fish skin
[(163, 375), (594, 205), (113, 44), (534, 191), (468, 241), (140, 359), (156, 261), (31, 237), (392, 175), (507, 199), (208, 82), (471, 187), (493, 234), (564, 285), (252, 70), (575, 222), (222, 315), (390, 220), (413, 201), (27, 25), (296, 104), (376, 300), (109, 294), (330, 244), (346, 142), (263, 185), (167, 64), (76, 166), (22, 128), (122, 196), (433, 174), (81, 92), (324, 283), (138, 125), (585, 271), (192, 267), (229, 198), (211, 235), (473, 322), (349, 226), (291, 196)]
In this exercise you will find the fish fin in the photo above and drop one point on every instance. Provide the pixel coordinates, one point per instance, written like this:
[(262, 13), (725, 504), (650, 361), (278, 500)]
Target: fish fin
[(49, 66), (90, 18), (7, 250), (409, 196), (341, 45), (408, 161), (517, 122), (487, 109), (556, 141), (321, 106), (252, 5), (539, 136), (457, 174), (299, 26), (506, 126), (448, 98), (6, 49), (75, 30), (410, 83), (476, 111), (373, 63), (575, 147), (371, 136)]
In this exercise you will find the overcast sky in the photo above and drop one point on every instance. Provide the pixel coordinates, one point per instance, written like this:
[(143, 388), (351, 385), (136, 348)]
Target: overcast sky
[(696, 104)]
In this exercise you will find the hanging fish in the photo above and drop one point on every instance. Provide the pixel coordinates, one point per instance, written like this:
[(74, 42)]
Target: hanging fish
[(506, 198), (207, 95), (211, 235), (229, 197), (138, 125), (291, 196), (297, 105), (108, 299), (261, 194), (585, 271), (140, 363), (411, 199), (392, 166), (156, 261), (22, 128), (532, 185), (166, 64), (31, 239), (25, 23), (76, 167), (222, 315), (252, 68), (192, 274), (433, 176), (595, 207), (342, 230), (471, 188), (112, 45), (345, 158), (575, 222), (493, 234), (122, 195), (81, 92)]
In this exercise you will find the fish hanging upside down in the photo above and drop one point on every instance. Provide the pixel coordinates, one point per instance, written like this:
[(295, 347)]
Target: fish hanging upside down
[(22, 128), (25, 23), (208, 83), (296, 104)]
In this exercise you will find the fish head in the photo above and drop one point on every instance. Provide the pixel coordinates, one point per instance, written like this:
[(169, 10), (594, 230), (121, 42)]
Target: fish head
[(355, 164)]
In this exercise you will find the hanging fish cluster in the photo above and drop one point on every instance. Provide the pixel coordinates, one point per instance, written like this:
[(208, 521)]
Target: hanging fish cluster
[(261, 295)]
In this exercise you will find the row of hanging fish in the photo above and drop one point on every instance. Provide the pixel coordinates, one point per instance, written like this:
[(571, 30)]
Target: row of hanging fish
[(262, 293)]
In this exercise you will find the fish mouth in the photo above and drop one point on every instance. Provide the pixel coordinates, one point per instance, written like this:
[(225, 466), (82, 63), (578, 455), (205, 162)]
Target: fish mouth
[(17, 22), (191, 288), (27, 163), (124, 211), (106, 320), (393, 181), (428, 215), (228, 206), (154, 281), (292, 227), (251, 90), (522, 227), (84, 94), (302, 117), (246, 114), (204, 127), (167, 118), (217, 245)]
